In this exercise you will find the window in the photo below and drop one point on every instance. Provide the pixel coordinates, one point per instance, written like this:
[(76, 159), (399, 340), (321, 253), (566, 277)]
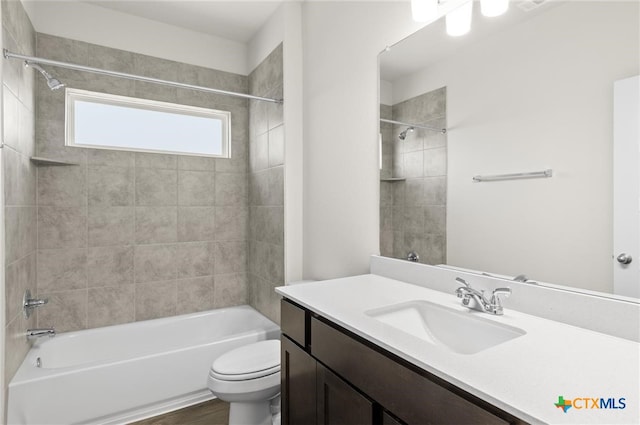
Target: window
[(105, 121)]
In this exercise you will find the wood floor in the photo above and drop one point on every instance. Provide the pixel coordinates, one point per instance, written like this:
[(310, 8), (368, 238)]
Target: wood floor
[(214, 412)]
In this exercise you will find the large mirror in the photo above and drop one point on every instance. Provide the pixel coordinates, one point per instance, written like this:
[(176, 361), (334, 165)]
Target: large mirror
[(529, 91)]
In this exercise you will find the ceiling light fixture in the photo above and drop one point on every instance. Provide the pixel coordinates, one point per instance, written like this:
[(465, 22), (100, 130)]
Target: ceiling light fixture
[(424, 10), (458, 21), (491, 8)]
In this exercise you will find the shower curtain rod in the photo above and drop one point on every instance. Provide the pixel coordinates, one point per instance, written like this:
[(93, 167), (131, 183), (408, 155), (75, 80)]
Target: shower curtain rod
[(408, 124), (41, 61)]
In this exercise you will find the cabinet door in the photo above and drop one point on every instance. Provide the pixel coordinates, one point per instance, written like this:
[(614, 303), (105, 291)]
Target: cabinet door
[(387, 419), (298, 372), (339, 403)]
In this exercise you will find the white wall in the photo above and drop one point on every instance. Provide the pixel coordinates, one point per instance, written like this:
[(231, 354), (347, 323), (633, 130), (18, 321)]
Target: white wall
[(266, 39), (105, 27), (386, 93), (502, 120), (341, 189)]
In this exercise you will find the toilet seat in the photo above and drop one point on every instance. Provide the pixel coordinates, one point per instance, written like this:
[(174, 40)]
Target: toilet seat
[(250, 361)]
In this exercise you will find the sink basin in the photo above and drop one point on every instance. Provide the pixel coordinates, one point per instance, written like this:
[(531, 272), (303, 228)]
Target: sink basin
[(464, 332)]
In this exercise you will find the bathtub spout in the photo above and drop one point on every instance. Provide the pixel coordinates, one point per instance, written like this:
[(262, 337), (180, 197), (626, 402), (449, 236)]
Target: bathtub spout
[(37, 333)]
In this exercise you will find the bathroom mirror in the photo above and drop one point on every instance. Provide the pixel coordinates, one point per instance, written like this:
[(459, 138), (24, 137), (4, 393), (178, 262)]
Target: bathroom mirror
[(529, 91)]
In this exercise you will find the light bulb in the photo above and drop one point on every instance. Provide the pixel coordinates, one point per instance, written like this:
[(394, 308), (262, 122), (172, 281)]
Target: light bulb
[(459, 20), (424, 10), (491, 8)]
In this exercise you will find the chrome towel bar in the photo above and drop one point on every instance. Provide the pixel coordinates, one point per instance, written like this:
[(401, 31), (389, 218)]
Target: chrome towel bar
[(514, 176)]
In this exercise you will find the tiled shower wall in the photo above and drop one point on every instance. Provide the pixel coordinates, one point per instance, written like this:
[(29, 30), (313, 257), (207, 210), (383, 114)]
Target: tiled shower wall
[(18, 36), (266, 187), (413, 211), (126, 236)]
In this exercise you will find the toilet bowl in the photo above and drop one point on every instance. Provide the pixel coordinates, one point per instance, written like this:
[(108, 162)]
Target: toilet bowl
[(248, 378)]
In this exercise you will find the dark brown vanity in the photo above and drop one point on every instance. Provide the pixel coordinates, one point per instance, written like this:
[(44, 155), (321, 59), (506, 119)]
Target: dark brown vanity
[(332, 376)]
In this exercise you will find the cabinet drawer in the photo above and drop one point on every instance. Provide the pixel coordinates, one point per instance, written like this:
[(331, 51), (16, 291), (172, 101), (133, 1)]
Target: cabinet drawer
[(293, 322), (413, 397)]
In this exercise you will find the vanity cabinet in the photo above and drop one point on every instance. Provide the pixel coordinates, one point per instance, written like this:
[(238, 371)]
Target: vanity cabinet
[(332, 376)]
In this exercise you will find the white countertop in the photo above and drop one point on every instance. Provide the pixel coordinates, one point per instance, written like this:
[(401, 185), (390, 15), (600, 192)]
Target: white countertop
[(523, 376)]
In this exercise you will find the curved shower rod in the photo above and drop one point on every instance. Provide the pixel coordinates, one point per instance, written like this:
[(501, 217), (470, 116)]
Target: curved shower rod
[(41, 61), (408, 124)]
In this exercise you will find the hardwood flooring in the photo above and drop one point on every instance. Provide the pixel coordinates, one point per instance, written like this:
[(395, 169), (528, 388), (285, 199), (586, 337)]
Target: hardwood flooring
[(214, 412)]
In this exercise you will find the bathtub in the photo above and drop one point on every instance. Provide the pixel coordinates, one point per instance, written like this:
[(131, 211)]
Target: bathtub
[(122, 373)]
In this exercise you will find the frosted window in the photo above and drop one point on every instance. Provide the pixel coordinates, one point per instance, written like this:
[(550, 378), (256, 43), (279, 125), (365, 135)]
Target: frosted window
[(97, 120)]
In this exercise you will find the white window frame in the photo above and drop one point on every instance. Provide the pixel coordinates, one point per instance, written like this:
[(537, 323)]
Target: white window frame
[(73, 95)]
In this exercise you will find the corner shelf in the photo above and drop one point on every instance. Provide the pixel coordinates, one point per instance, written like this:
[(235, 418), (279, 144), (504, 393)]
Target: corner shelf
[(393, 179), (43, 162)]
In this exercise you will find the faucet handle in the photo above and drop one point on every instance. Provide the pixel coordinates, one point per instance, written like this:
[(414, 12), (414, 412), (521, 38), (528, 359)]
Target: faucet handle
[(495, 296), (464, 282)]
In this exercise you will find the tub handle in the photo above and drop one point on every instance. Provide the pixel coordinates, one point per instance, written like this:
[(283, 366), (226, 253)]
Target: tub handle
[(28, 303)]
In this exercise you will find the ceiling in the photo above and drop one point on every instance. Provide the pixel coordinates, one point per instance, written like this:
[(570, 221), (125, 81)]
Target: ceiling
[(237, 20)]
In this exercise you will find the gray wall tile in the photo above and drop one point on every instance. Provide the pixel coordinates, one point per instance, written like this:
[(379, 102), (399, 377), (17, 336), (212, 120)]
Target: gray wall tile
[(110, 158), (266, 191), (20, 184), (156, 187), (20, 179), (230, 290), (111, 305), (276, 146), (196, 224), (259, 153), (155, 300), (196, 163), (435, 162), (108, 266), (66, 311), (195, 294), (11, 112), (111, 226), (156, 224), (416, 219), (145, 256), (62, 227), (110, 186), (194, 259), (20, 228), (230, 257), (196, 188), (435, 190), (154, 160), (231, 223), (231, 189), (50, 142), (62, 186), (155, 262), (62, 269), (19, 276)]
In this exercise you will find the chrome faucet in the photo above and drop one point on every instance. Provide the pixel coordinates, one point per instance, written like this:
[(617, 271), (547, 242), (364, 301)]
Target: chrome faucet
[(476, 300), (28, 303), (38, 333)]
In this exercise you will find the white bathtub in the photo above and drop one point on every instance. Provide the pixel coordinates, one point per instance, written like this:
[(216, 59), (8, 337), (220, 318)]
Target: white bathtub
[(122, 373)]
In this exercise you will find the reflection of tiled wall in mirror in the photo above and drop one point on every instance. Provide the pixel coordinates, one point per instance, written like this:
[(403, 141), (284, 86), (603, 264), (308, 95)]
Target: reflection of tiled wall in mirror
[(413, 211)]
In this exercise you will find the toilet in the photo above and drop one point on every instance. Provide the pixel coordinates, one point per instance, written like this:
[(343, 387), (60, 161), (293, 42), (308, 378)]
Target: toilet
[(248, 377)]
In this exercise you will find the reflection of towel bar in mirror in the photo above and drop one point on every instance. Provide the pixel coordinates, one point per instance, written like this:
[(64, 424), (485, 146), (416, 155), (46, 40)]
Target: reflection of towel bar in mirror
[(514, 176), (408, 124)]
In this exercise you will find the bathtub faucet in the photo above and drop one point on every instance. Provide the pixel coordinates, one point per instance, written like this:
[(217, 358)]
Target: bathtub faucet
[(37, 333), (29, 303)]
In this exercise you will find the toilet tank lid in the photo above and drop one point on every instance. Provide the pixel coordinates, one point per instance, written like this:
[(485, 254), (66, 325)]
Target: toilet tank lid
[(249, 358)]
